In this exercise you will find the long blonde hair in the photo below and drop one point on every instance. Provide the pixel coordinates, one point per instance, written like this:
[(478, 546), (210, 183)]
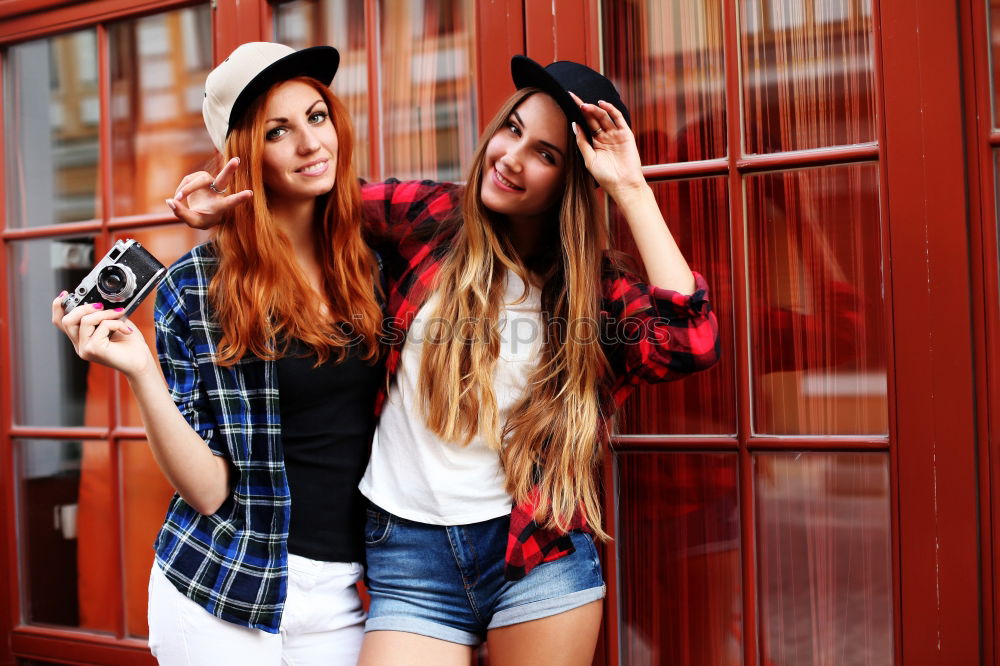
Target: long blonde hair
[(259, 296), (552, 437)]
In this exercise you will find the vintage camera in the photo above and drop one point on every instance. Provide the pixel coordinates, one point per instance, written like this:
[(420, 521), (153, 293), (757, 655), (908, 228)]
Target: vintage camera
[(125, 276)]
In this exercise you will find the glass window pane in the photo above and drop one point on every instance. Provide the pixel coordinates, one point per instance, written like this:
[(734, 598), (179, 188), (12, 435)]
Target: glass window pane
[(825, 577), (697, 213), (64, 491), (817, 333), (167, 244), (667, 60), (51, 112), (427, 106), (339, 23), (996, 195), (807, 74), (994, 28), (52, 386), (145, 495), (428, 110), (679, 559), (158, 69)]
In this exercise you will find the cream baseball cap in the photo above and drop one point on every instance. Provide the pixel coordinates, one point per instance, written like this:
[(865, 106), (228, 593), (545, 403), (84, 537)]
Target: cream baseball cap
[(249, 71)]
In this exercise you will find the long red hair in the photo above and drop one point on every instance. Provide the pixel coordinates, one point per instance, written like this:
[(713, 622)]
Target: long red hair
[(259, 296)]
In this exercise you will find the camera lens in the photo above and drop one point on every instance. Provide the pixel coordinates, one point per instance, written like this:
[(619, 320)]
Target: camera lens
[(116, 283)]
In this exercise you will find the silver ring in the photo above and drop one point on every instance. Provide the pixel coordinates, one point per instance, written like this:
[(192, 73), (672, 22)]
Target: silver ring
[(595, 133), (212, 187)]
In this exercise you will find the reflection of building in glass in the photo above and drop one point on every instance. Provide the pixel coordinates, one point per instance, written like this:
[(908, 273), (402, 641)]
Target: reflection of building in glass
[(158, 69), (427, 69), (52, 130), (807, 74), (425, 95), (74, 113)]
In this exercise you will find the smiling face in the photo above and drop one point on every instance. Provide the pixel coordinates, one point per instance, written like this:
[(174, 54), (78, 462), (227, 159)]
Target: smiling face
[(300, 143), (525, 160)]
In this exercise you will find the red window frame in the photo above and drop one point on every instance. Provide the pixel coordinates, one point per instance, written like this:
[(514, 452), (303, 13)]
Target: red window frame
[(929, 214), (983, 143)]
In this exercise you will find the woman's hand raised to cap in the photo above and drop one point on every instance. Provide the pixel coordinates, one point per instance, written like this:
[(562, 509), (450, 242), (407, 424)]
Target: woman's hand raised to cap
[(613, 159), (200, 205)]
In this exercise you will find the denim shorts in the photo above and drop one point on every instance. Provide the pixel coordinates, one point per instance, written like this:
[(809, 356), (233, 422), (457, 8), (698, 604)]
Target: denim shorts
[(448, 582)]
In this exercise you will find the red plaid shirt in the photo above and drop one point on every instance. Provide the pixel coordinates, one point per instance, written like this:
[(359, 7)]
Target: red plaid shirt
[(669, 335)]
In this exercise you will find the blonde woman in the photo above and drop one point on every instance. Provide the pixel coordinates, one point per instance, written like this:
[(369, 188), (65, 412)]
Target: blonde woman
[(513, 333)]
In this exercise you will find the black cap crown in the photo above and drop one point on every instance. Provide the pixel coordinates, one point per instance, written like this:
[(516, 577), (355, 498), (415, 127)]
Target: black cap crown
[(562, 77)]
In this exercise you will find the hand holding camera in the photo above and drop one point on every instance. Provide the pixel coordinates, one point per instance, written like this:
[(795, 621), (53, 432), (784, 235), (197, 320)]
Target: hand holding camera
[(94, 315)]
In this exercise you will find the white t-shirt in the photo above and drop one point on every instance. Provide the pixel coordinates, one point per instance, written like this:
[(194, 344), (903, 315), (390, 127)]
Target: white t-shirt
[(415, 474)]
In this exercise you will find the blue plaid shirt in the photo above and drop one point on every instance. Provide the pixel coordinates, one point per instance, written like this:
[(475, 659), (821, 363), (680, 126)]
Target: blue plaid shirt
[(234, 562)]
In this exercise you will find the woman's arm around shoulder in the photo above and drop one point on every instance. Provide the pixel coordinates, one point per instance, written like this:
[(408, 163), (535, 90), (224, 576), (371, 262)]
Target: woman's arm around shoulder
[(395, 209)]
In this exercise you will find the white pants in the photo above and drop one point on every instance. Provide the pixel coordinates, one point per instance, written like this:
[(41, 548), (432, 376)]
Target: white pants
[(322, 623)]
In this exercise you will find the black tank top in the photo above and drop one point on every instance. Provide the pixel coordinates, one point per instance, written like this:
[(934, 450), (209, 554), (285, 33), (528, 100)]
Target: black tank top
[(327, 422)]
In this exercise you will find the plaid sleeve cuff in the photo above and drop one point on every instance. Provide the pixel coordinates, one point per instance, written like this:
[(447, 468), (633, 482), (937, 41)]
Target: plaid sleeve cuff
[(669, 303)]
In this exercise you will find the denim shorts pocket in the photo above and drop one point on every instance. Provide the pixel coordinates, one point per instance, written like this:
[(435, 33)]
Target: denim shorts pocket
[(378, 526), (589, 546)]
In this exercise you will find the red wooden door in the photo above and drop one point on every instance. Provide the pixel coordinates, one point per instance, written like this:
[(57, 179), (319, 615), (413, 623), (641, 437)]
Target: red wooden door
[(789, 506)]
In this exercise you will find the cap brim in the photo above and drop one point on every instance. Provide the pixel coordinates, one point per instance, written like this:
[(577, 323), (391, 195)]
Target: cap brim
[(318, 62), (529, 74)]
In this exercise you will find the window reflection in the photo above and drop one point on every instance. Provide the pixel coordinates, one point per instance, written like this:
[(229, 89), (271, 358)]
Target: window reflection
[(426, 100), (65, 533), (158, 69), (145, 495), (339, 23), (667, 60), (994, 27), (697, 213), (51, 131), (52, 386), (679, 559), (807, 74), (823, 535), (817, 336)]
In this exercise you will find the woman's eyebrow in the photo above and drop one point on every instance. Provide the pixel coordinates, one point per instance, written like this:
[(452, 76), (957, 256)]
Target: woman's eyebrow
[(520, 122), (308, 111)]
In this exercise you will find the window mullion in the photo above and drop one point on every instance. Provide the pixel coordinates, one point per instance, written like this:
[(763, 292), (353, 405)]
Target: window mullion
[(104, 180)]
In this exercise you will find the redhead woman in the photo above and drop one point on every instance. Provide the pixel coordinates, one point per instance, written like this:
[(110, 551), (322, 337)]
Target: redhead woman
[(268, 340), (513, 333)]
